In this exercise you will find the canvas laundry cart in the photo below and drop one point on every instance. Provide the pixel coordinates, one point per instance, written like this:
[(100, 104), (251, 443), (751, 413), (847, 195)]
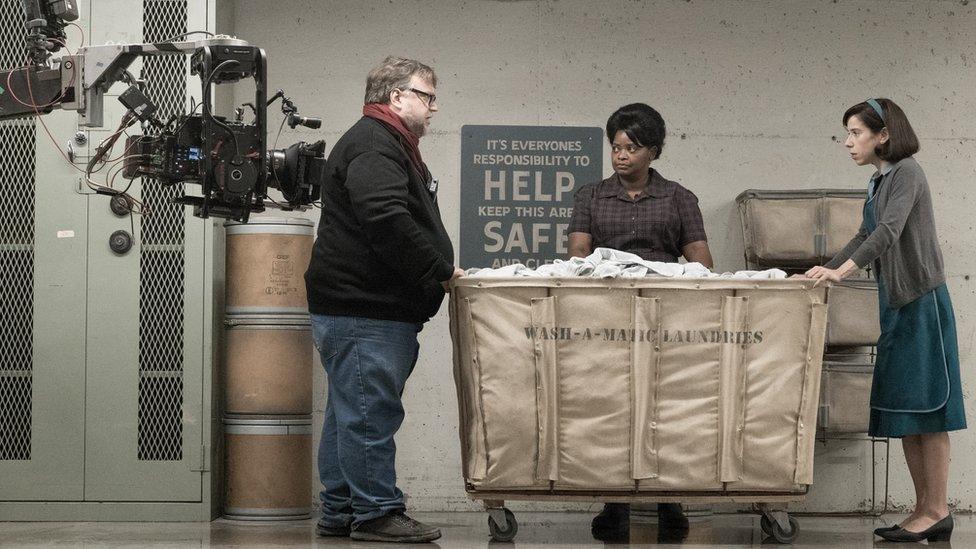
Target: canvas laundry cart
[(638, 390)]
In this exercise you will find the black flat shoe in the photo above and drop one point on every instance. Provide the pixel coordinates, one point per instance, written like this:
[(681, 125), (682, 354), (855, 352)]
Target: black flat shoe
[(612, 524), (614, 516), (671, 516), (940, 531), (877, 531)]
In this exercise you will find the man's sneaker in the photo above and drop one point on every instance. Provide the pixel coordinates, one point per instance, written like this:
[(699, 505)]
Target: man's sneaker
[(396, 527), (323, 530)]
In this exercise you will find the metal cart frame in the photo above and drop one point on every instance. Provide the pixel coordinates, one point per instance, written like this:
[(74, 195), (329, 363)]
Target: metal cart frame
[(776, 522)]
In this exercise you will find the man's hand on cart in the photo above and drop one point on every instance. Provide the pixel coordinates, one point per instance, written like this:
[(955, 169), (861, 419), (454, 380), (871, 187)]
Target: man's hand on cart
[(458, 273)]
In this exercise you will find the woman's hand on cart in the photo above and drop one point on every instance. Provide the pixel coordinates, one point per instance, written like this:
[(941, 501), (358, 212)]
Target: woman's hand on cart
[(821, 273)]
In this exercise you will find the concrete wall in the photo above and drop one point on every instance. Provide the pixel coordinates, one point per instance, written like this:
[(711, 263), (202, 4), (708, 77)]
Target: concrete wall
[(752, 92)]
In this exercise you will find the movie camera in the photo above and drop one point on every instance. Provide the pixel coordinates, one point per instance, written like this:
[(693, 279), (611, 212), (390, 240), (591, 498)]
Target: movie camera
[(228, 158)]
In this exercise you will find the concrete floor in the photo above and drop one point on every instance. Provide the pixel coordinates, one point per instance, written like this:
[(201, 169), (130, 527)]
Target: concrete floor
[(548, 530)]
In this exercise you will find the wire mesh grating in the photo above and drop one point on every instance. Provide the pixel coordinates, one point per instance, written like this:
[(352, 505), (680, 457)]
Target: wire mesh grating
[(162, 278), (17, 138)]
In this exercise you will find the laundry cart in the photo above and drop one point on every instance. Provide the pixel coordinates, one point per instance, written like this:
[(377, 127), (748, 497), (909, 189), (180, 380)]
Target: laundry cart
[(638, 390)]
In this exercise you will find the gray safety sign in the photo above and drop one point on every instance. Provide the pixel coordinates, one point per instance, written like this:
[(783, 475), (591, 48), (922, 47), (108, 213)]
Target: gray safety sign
[(517, 187)]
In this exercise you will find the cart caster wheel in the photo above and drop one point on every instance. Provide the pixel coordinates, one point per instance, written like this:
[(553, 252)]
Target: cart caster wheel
[(780, 535), (504, 532)]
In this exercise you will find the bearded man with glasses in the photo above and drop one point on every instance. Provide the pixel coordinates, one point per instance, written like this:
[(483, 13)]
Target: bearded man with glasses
[(381, 264)]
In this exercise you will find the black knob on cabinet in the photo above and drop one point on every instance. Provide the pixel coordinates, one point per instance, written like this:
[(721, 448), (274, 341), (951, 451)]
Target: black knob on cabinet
[(121, 205), (120, 242)]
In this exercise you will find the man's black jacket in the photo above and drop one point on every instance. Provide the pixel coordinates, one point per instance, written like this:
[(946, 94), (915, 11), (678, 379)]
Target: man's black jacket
[(381, 249)]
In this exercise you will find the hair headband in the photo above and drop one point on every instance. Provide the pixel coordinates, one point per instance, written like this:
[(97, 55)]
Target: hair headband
[(877, 108)]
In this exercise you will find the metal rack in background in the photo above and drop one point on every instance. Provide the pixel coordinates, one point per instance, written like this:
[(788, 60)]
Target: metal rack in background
[(824, 435)]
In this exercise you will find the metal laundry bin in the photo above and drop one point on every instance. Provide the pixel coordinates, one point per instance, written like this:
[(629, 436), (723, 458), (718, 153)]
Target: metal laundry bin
[(845, 397), (853, 318), (797, 228)]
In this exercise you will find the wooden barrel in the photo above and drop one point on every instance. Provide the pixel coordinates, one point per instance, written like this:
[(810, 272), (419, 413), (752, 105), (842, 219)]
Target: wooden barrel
[(268, 468), (266, 263), (268, 368)]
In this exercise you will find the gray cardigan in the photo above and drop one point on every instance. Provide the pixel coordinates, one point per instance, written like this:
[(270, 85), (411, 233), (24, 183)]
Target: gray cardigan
[(904, 247)]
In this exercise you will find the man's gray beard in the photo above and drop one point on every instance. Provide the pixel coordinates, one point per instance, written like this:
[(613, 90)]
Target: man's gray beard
[(418, 129)]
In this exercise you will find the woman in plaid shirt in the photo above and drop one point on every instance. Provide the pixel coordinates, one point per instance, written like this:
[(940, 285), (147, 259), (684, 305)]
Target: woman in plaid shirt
[(636, 209), (639, 211)]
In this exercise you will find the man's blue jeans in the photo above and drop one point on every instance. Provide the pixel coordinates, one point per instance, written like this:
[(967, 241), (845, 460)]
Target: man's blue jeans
[(367, 363)]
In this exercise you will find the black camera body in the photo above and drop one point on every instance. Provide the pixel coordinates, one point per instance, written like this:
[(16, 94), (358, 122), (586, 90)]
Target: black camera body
[(235, 185), (229, 159)]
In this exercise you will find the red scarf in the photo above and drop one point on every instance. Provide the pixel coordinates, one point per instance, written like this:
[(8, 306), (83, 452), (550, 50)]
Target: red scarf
[(394, 123)]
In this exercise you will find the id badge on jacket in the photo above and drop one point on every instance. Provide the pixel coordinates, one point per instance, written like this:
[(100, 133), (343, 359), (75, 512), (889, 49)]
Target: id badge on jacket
[(432, 188)]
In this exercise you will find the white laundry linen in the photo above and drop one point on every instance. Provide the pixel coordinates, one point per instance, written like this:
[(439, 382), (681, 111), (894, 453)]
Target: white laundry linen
[(610, 263)]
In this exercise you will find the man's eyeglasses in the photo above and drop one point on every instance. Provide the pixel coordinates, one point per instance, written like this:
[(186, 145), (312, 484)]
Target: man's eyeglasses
[(429, 99), (631, 149)]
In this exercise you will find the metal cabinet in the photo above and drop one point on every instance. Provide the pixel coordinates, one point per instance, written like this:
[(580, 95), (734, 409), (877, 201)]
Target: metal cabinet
[(105, 357)]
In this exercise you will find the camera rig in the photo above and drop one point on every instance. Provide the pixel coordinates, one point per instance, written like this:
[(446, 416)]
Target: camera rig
[(228, 158)]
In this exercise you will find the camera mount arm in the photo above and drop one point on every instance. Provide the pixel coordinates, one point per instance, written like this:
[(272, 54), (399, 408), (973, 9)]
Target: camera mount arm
[(78, 82), (103, 66)]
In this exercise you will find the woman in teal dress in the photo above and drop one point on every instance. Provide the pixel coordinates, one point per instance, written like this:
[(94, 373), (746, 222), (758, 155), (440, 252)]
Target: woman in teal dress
[(916, 393)]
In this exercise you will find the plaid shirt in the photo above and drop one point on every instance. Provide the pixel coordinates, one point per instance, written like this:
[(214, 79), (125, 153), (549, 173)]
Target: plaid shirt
[(662, 219)]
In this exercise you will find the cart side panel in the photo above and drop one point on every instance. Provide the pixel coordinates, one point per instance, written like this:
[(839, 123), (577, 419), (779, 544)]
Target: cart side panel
[(775, 372), (687, 387), (594, 387), (466, 379), (501, 323)]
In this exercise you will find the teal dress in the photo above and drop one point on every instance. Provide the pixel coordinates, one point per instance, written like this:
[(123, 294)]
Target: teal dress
[(916, 387)]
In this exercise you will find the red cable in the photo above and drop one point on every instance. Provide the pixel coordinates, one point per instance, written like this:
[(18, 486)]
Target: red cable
[(30, 92), (82, 31)]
